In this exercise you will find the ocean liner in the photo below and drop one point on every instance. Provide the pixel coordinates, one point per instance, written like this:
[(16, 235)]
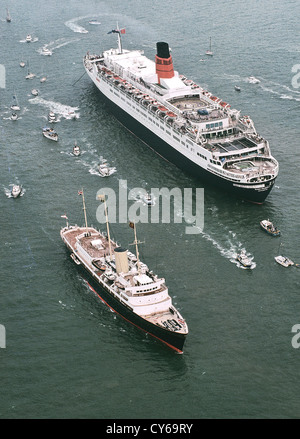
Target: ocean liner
[(125, 283), (184, 123)]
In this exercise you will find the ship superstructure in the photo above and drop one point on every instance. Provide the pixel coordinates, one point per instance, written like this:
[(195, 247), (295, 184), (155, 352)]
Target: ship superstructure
[(125, 283), (184, 123)]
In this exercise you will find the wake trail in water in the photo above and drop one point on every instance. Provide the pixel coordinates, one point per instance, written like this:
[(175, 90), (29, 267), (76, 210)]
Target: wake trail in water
[(65, 111), (74, 26)]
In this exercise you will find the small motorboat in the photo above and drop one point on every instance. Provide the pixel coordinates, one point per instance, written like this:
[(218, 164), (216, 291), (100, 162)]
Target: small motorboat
[(72, 115), (76, 150), (14, 116), (43, 79), (253, 80), (269, 227), (50, 134), (45, 51), (237, 88), (16, 190), (51, 117), (15, 107), (284, 261), (34, 92), (30, 75), (22, 64), (94, 22), (243, 259), (105, 170), (28, 38), (148, 199)]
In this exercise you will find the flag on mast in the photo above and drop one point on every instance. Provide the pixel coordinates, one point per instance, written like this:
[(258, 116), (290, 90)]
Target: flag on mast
[(117, 31)]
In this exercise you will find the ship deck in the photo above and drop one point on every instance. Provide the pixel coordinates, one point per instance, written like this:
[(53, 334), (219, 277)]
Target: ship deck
[(236, 144), (89, 242)]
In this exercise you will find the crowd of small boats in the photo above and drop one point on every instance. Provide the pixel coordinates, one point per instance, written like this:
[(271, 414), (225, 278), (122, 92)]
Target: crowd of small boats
[(48, 132), (246, 262)]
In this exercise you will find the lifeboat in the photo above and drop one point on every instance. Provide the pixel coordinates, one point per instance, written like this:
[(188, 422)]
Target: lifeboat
[(161, 108), (171, 114)]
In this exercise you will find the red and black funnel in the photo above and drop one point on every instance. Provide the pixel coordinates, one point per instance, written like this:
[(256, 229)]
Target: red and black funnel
[(163, 62)]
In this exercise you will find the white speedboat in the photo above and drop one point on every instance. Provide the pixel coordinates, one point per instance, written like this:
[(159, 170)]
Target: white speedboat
[(49, 133), (94, 22), (284, 261), (253, 80), (46, 51), (148, 199), (16, 190), (14, 116), (76, 150), (43, 79), (34, 92), (22, 64), (30, 75), (51, 117), (72, 115), (243, 259), (237, 88), (28, 38), (105, 170)]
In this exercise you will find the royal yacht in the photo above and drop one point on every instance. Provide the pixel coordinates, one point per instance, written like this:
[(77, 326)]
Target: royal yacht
[(123, 282)]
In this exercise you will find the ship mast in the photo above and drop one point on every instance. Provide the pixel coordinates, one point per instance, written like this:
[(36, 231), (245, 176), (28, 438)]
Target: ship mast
[(136, 242), (119, 39), (84, 208), (103, 200)]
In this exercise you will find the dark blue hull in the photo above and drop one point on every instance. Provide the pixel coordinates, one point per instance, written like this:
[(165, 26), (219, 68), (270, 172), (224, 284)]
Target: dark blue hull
[(174, 340)]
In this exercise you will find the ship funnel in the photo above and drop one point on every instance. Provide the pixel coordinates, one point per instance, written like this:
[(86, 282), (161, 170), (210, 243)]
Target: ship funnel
[(121, 260), (163, 62)]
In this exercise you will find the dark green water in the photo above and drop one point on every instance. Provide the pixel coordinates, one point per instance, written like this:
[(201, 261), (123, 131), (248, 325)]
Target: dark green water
[(67, 355)]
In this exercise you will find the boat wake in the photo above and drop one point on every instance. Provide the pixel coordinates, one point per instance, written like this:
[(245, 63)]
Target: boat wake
[(56, 44), (283, 91), (232, 249), (74, 26), (59, 109)]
